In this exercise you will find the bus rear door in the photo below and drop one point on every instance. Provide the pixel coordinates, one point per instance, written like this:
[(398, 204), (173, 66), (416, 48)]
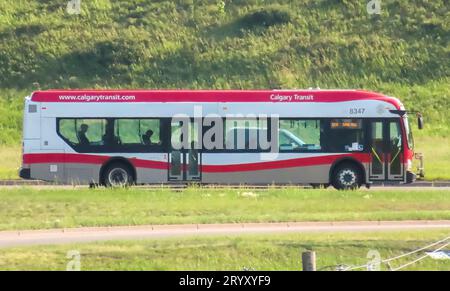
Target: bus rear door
[(184, 163)]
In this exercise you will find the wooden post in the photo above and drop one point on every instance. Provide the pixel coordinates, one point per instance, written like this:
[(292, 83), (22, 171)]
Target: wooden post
[(309, 261)]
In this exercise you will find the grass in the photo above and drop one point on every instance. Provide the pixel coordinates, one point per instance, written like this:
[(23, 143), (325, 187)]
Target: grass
[(26, 208), (206, 44), (436, 156), (11, 160), (235, 252)]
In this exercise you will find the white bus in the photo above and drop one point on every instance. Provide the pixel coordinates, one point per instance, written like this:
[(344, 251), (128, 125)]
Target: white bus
[(344, 138)]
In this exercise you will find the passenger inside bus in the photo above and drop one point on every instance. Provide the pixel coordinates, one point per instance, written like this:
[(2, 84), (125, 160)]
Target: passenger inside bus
[(81, 134), (147, 138)]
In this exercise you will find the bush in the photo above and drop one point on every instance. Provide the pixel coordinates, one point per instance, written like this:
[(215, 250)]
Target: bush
[(266, 18)]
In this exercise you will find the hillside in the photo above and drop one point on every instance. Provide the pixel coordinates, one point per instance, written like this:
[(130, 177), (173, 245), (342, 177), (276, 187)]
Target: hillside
[(403, 52)]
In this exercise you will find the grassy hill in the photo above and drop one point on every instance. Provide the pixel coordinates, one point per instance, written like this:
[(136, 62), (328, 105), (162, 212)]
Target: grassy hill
[(403, 52)]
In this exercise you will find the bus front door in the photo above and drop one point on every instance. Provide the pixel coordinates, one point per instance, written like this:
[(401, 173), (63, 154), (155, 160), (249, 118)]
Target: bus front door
[(386, 151), (184, 163)]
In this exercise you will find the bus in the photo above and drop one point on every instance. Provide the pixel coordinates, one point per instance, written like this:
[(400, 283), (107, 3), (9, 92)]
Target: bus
[(343, 138)]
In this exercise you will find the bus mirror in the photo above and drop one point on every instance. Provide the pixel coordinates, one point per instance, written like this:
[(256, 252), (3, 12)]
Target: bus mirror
[(420, 121)]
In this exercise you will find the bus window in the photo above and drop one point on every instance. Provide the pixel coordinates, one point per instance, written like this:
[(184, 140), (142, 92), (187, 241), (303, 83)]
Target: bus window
[(92, 129), (137, 132), (68, 129), (127, 131), (300, 135), (83, 132), (243, 134), (150, 132), (345, 135)]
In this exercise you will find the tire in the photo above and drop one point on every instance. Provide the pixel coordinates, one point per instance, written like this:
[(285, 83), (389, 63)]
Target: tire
[(118, 175), (347, 177)]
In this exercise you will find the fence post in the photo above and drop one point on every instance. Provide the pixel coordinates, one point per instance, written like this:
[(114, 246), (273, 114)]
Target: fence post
[(309, 261)]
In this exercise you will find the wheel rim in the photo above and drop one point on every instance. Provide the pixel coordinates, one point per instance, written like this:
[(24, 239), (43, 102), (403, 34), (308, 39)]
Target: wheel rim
[(347, 178), (118, 177)]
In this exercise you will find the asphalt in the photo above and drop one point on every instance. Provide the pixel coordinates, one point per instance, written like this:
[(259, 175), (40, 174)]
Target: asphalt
[(92, 234)]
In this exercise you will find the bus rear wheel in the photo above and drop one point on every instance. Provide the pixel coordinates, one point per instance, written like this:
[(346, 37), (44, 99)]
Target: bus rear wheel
[(118, 175), (347, 177)]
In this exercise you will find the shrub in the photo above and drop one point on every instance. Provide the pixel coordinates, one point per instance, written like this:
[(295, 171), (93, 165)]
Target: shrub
[(266, 18)]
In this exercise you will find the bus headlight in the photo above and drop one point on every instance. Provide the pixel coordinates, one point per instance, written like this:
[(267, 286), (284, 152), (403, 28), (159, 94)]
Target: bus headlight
[(409, 164)]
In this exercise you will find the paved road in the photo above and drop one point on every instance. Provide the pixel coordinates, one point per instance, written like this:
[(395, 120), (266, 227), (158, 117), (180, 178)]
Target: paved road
[(78, 235)]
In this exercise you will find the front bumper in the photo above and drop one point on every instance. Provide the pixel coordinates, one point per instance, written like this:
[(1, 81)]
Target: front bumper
[(420, 166), (25, 173)]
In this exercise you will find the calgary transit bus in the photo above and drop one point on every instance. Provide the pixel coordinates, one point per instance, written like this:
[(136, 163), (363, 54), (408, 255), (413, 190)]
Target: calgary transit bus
[(346, 138)]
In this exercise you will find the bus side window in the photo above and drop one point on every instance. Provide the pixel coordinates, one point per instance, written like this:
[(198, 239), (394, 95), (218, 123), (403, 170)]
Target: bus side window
[(96, 129), (138, 135), (127, 131), (82, 133), (346, 135), (300, 135), (150, 132), (68, 130), (243, 134)]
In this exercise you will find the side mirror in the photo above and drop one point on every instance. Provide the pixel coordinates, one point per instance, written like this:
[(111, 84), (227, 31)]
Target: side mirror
[(420, 121)]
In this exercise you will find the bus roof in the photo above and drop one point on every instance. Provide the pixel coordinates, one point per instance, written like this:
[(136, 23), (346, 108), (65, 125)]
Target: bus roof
[(314, 95)]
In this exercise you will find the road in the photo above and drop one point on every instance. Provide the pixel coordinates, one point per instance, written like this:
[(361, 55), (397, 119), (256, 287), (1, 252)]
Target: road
[(91, 234)]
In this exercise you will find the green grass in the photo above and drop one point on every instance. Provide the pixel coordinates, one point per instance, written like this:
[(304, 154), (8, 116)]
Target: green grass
[(234, 252), (11, 160), (204, 44), (25, 208), (436, 156)]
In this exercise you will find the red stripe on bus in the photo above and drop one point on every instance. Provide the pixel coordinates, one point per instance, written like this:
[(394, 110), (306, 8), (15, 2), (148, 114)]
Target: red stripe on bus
[(140, 163), (130, 96), (87, 159), (280, 164), (63, 158)]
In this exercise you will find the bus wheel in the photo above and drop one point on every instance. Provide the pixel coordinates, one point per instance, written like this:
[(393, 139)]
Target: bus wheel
[(347, 177), (118, 175)]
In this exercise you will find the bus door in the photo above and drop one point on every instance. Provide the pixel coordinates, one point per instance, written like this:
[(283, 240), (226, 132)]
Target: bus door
[(386, 150), (184, 162)]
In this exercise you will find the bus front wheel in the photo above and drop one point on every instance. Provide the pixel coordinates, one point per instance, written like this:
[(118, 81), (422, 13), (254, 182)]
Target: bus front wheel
[(118, 175), (347, 177)]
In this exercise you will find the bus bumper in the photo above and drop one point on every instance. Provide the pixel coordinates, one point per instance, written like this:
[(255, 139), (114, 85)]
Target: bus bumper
[(410, 177), (25, 173), (420, 167)]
